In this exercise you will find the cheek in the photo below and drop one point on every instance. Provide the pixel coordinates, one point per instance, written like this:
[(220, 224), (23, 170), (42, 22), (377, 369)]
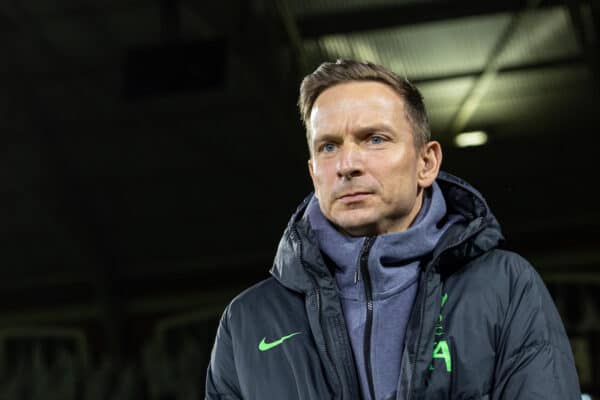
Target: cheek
[(322, 177), (387, 170), (394, 176), (320, 185)]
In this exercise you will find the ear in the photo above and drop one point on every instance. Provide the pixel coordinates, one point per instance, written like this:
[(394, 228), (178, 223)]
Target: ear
[(429, 163), (312, 176)]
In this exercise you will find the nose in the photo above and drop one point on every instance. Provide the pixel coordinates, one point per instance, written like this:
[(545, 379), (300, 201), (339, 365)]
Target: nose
[(350, 162)]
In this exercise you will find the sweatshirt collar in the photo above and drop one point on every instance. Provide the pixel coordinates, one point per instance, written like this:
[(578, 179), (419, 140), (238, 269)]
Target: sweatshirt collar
[(388, 253)]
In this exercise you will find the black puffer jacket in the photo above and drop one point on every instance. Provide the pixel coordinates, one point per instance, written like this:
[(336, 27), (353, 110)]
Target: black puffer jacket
[(483, 325)]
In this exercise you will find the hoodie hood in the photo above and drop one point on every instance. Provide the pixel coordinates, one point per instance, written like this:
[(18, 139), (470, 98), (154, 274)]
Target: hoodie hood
[(298, 260)]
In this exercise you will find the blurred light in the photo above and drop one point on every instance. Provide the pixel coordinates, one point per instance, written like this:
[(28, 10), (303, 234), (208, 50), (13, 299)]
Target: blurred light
[(586, 397), (465, 139)]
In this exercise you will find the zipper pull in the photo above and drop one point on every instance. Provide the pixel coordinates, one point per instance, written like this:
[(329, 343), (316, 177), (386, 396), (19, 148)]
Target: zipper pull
[(356, 276)]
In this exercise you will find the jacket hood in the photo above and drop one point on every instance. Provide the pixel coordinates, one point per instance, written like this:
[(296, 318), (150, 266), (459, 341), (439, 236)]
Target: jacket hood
[(298, 259), (478, 233)]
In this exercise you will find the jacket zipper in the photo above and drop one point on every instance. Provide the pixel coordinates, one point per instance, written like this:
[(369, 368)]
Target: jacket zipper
[(364, 268), (412, 363)]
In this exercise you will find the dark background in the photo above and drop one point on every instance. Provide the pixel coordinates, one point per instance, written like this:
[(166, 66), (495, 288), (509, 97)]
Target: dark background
[(152, 154)]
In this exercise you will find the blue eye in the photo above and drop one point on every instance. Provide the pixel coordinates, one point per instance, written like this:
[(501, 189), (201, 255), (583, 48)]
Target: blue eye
[(328, 147), (376, 139)]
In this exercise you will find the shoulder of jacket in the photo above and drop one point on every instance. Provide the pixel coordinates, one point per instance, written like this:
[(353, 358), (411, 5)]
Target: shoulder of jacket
[(502, 259), (257, 297), (498, 277), (500, 265), (254, 292)]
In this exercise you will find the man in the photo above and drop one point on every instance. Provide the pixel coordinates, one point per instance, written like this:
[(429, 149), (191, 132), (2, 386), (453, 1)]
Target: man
[(389, 282)]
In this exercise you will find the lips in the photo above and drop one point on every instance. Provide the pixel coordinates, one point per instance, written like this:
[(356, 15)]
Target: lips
[(354, 196)]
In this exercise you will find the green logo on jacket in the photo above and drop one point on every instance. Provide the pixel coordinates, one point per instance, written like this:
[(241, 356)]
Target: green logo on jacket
[(440, 347), (264, 346)]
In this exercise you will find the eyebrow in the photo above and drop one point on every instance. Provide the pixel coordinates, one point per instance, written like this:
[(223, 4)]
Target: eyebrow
[(326, 137), (378, 127)]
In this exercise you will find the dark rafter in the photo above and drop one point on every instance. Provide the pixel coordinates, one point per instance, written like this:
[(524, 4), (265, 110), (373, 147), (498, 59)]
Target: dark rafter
[(585, 39), (364, 19)]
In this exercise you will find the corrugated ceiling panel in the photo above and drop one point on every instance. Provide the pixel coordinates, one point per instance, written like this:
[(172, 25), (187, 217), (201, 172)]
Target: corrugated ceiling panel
[(440, 93), (544, 80), (538, 99), (541, 36), (442, 99), (424, 50), (459, 45), (524, 116), (462, 46)]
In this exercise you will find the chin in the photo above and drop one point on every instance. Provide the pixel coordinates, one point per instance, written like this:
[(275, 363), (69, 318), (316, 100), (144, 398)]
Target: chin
[(356, 225)]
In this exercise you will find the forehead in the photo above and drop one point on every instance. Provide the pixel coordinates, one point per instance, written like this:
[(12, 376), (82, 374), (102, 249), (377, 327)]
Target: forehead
[(356, 104)]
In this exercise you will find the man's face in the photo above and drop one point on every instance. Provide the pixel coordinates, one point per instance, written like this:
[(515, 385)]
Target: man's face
[(364, 165)]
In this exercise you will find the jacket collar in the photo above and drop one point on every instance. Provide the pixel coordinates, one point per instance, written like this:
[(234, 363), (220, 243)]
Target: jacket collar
[(298, 260)]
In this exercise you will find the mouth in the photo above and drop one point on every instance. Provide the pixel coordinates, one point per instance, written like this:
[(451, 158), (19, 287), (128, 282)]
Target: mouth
[(354, 196)]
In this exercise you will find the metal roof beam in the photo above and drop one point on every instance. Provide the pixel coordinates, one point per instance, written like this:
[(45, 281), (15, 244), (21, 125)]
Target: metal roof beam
[(293, 34), (567, 62), (473, 98)]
